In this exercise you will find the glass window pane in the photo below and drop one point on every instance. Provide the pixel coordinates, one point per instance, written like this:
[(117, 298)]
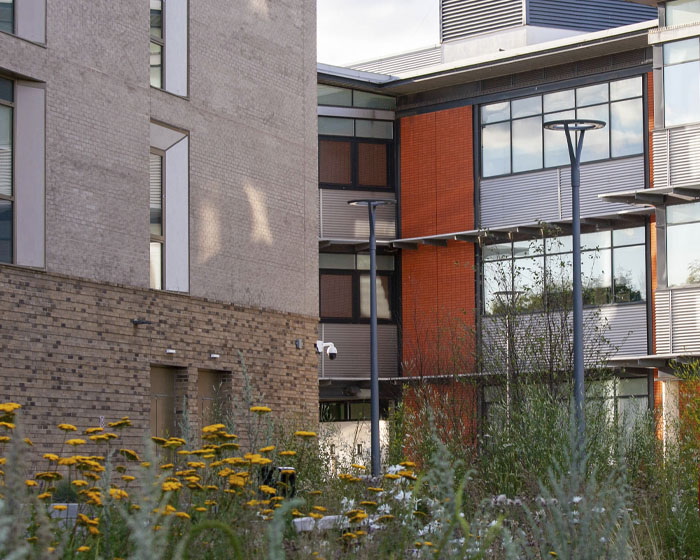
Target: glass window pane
[(682, 213), (597, 142), (681, 92), (7, 90), (529, 279), (497, 251), (329, 95), (592, 95), (527, 248), (558, 101), (680, 12), (5, 231), (5, 150), (556, 151), (383, 297), (495, 144), (681, 51), (384, 262), (527, 144), (526, 107), (332, 412), (630, 387), (334, 165), (336, 260), (624, 89), (336, 295), (497, 278), (374, 129), (7, 16), (597, 277), (629, 236), (683, 256), (156, 266), (157, 18), (560, 244), (360, 411), (372, 169), (495, 112), (373, 100), (629, 410), (336, 127), (595, 240), (630, 273), (559, 274), (627, 127), (156, 65), (156, 194)]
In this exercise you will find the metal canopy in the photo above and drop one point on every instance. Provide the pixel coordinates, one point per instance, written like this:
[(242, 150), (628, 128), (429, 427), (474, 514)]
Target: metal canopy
[(525, 232), (662, 362), (662, 196)]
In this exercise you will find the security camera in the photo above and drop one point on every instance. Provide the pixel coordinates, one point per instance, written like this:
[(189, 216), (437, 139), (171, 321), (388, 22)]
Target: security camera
[(331, 350)]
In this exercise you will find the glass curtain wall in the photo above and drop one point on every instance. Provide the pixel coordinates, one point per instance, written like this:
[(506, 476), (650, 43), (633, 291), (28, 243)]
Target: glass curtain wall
[(6, 166), (157, 44)]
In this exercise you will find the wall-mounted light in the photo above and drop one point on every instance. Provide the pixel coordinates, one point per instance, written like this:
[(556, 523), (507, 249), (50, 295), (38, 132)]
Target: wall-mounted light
[(214, 356), (170, 351)]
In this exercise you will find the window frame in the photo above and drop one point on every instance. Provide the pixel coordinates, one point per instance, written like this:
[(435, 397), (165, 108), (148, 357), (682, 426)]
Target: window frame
[(354, 184), (159, 238), (543, 114), (14, 19), (11, 199), (545, 254), (160, 41)]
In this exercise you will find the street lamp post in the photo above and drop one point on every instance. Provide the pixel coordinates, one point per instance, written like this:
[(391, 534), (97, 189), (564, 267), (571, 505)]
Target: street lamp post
[(575, 147), (372, 205)]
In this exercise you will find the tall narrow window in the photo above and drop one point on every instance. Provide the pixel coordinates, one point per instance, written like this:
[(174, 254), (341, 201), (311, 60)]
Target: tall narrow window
[(6, 179), (156, 219), (157, 47), (7, 16)]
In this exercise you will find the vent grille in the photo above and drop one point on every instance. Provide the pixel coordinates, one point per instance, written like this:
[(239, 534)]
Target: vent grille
[(589, 15), (464, 18)]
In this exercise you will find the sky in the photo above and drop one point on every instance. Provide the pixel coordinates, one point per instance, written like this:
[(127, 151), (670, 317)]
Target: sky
[(358, 30)]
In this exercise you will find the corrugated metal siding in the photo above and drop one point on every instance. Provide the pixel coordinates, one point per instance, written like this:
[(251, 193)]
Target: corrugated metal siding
[(463, 18), (660, 149), (546, 195), (677, 157), (402, 62), (586, 15), (678, 320), (352, 342), (603, 177), (626, 327), (340, 221)]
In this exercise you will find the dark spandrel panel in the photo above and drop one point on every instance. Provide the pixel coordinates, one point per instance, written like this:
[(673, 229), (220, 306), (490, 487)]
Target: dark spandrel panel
[(372, 165), (157, 18), (336, 296), (156, 57), (336, 127), (7, 91), (7, 16), (5, 231), (374, 129), (334, 164), (330, 95), (373, 101)]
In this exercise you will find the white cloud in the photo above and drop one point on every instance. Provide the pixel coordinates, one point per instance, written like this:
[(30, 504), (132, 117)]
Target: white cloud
[(356, 30)]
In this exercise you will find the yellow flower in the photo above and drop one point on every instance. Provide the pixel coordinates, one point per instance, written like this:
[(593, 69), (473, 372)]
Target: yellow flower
[(118, 493), (407, 464), (83, 548), (99, 437), (145, 464), (93, 430), (427, 543), (359, 516), (182, 515), (260, 409), (159, 440), (129, 454), (174, 442), (200, 509), (267, 449), (368, 503), (8, 425), (93, 530), (9, 407), (67, 427), (167, 466), (315, 492), (128, 478), (76, 441), (120, 423), (60, 507), (374, 489), (28, 441), (391, 476), (171, 486), (267, 489), (79, 483), (288, 453), (4, 439), (305, 434), (320, 508), (44, 495), (50, 457), (31, 483), (212, 428), (349, 536), (385, 518), (48, 476), (361, 467)]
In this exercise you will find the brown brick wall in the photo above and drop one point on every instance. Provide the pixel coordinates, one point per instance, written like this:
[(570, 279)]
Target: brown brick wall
[(71, 354)]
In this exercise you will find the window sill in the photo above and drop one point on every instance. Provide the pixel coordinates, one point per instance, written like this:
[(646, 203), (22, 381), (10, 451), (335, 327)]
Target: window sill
[(176, 95), (36, 43)]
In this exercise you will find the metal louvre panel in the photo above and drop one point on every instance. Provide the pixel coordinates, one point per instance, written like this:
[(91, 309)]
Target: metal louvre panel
[(662, 322), (463, 18), (590, 15), (340, 221), (352, 342), (603, 177), (685, 320), (6, 170), (685, 156), (626, 327), (520, 199), (402, 62), (660, 154), (155, 181)]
